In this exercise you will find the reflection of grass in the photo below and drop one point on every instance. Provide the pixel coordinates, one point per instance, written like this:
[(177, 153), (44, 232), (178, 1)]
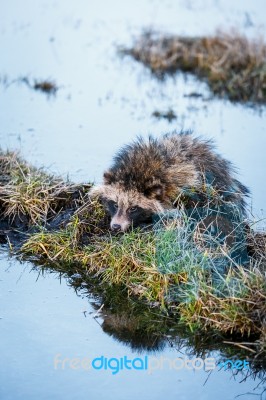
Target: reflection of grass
[(190, 285), (233, 65), (168, 267)]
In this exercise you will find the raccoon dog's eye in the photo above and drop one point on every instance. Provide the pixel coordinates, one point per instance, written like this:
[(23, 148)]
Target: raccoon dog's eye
[(132, 209), (115, 205)]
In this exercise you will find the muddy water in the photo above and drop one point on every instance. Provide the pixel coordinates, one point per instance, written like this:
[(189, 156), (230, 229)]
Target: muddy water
[(102, 102)]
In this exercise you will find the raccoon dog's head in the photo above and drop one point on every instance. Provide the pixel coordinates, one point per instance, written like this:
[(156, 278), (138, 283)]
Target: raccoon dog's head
[(127, 207)]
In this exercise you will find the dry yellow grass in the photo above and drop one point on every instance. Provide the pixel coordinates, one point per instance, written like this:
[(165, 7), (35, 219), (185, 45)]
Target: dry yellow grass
[(233, 65)]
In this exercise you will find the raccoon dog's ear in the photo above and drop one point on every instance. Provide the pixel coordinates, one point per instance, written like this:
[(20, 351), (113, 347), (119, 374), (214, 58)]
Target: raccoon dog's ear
[(154, 192), (107, 177)]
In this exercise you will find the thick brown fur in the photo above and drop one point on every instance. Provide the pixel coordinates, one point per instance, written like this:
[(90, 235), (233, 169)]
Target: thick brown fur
[(151, 176)]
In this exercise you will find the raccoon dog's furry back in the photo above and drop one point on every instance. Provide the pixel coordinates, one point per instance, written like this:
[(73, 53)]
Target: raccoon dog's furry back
[(154, 175)]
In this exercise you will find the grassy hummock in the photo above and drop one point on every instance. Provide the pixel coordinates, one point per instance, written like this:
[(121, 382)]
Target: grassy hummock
[(172, 267), (233, 66)]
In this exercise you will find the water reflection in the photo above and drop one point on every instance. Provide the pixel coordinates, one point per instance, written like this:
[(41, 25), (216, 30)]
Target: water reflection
[(103, 103), (113, 326)]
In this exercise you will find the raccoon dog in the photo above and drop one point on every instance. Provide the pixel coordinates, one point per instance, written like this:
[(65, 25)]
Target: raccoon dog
[(148, 177)]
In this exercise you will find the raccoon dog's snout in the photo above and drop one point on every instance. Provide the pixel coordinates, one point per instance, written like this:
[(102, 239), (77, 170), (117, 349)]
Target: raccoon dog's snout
[(116, 227), (119, 224)]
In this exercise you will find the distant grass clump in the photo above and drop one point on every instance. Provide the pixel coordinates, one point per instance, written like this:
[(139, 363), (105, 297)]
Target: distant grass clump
[(184, 273), (46, 86), (234, 66)]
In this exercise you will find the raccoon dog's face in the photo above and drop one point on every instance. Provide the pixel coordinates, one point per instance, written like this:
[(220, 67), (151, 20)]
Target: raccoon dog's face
[(123, 215), (126, 207)]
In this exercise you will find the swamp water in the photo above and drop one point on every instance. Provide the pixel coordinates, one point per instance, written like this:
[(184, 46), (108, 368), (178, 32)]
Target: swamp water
[(102, 102)]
